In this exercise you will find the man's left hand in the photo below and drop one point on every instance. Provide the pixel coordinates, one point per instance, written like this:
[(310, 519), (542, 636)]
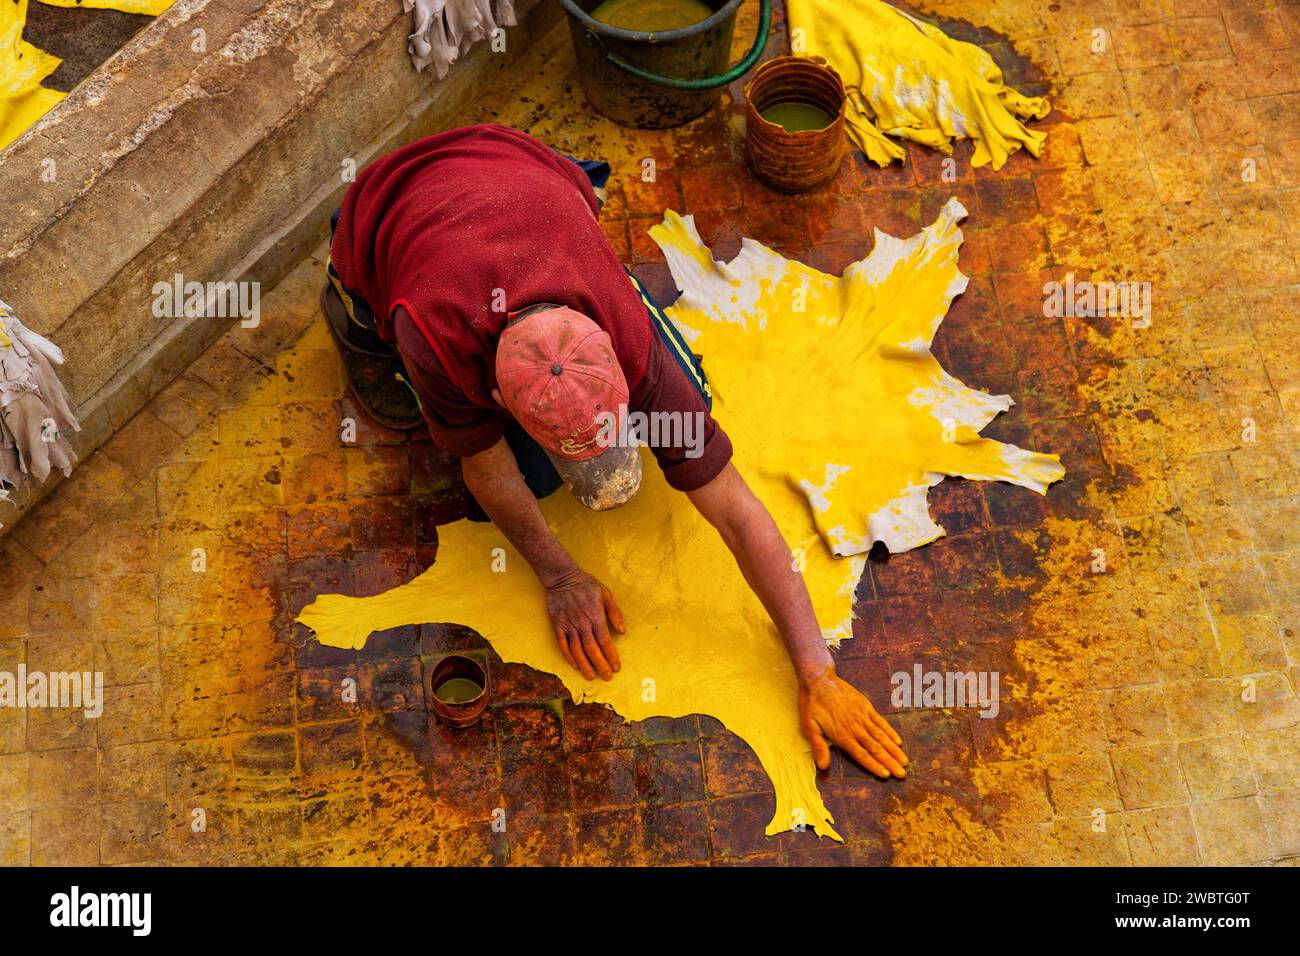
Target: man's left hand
[(832, 711)]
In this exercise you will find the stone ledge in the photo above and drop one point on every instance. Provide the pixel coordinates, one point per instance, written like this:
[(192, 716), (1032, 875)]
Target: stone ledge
[(220, 160)]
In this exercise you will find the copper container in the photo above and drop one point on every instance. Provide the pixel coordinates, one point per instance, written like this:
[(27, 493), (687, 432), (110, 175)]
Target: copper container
[(794, 162), (462, 714)]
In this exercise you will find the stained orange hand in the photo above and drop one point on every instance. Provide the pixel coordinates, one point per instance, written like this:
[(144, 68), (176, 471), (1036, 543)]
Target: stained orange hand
[(833, 712)]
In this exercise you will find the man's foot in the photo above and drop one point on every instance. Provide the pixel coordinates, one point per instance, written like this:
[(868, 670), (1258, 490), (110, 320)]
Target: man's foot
[(376, 376)]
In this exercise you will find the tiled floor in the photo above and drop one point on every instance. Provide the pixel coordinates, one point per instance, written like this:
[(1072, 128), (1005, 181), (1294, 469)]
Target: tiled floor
[(1143, 615)]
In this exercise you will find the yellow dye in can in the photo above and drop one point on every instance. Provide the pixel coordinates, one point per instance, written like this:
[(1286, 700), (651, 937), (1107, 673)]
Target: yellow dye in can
[(797, 117), (458, 690)]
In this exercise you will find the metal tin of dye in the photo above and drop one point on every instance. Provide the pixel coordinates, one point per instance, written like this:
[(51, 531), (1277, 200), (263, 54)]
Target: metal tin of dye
[(462, 714), (794, 162)]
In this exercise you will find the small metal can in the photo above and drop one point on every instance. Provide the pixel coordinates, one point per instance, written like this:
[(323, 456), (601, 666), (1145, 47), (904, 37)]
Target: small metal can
[(465, 710), (794, 162)]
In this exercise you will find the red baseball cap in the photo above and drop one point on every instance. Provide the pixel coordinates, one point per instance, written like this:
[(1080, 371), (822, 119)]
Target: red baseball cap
[(559, 377)]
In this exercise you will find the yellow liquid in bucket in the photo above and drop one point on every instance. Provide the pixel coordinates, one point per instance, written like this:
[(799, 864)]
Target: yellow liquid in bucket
[(652, 15), (458, 690), (797, 117)]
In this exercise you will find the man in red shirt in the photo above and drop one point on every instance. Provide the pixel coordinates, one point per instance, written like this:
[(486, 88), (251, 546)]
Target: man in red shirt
[(532, 355)]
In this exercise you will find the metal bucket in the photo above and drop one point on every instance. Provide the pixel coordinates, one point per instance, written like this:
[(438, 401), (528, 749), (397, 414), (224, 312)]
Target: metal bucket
[(659, 80)]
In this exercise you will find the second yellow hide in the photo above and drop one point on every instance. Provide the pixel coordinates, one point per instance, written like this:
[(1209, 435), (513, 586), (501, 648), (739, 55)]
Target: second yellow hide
[(908, 79)]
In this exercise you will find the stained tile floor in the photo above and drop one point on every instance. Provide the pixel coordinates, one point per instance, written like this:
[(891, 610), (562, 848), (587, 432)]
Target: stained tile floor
[(1143, 616)]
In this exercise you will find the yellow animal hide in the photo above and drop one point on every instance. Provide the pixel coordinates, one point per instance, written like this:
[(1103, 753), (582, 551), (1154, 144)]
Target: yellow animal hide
[(908, 79), (841, 419)]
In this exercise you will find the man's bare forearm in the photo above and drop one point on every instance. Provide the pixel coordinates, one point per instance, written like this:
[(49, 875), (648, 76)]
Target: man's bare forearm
[(583, 612), (493, 478), (764, 559)]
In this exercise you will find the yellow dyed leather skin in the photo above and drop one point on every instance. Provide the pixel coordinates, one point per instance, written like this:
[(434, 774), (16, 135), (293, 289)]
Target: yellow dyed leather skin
[(808, 370), (910, 80)]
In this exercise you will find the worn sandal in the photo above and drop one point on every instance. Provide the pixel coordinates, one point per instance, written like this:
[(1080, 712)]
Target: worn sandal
[(376, 376)]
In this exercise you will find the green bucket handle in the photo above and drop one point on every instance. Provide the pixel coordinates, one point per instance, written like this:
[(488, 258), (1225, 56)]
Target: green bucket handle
[(704, 83)]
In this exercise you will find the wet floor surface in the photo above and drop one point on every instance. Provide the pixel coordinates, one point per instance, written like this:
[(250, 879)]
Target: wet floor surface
[(1143, 616)]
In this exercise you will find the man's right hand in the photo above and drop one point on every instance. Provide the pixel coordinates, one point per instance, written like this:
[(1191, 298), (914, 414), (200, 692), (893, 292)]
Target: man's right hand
[(581, 608), (582, 611)]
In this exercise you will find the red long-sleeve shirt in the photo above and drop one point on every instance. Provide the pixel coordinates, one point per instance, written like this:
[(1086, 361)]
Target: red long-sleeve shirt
[(444, 237)]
